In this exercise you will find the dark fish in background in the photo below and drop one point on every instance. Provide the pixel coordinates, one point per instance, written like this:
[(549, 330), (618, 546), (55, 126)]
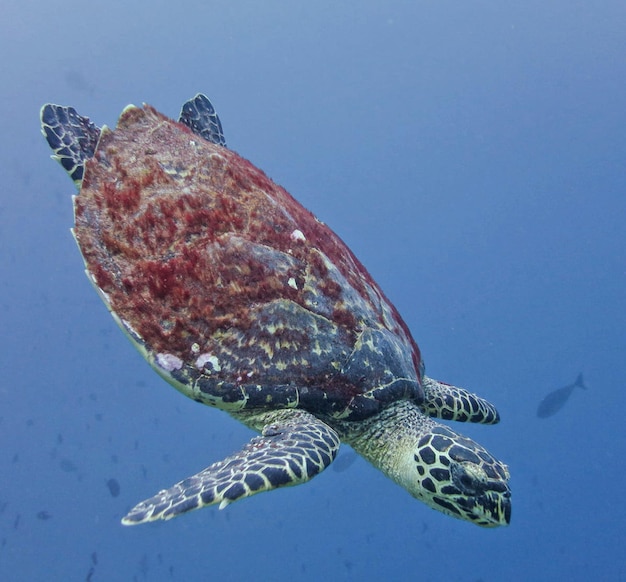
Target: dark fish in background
[(114, 487), (44, 515), (554, 401)]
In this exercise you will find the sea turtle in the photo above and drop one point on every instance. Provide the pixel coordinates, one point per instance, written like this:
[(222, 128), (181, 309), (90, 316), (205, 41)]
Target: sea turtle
[(243, 300)]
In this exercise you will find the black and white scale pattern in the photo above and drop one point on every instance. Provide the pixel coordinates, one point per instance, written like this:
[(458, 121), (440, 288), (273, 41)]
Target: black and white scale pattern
[(290, 451)]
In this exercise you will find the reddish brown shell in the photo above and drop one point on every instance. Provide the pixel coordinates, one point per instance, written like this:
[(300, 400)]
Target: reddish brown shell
[(234, 292)]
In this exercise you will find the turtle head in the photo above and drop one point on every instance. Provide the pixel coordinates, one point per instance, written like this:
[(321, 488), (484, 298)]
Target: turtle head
[(457, 476)]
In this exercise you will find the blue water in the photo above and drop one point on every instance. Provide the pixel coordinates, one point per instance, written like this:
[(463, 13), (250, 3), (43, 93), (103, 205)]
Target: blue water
[(473, 157)]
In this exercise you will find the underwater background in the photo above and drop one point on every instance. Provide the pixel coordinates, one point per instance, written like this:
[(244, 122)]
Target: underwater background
[(472, 155)]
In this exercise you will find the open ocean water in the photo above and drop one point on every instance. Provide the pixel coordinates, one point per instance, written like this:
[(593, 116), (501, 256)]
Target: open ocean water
[(472, 155)]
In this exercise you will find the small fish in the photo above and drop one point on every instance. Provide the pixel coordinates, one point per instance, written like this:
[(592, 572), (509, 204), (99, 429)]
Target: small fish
[(554, 401)]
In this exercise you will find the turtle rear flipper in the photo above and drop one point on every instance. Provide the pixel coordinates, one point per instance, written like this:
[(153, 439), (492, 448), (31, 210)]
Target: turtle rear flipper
[(72, 137), (292, 450), (199, 115)]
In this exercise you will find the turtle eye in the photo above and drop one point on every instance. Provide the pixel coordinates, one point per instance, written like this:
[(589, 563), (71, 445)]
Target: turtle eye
[(465, 481)]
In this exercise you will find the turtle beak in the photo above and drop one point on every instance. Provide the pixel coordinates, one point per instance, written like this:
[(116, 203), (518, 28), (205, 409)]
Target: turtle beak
[(496, 510), (502, 510), (507, 511), (490, 509)]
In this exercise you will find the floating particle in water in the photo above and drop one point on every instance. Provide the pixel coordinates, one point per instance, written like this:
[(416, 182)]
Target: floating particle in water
[(76, 81), (114, 487), (344, 461), (67, 465), (44, 515)]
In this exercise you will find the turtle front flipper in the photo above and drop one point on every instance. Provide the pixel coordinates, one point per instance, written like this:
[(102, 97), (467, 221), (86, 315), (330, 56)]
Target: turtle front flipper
[(294, 447), (72, 137), (199, 115), (449, 402)]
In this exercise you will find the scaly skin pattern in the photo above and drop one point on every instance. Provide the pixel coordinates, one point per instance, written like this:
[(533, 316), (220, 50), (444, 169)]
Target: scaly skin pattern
[(294, 446), (447, 471), (234, 292), (71, 136), (449, 402)]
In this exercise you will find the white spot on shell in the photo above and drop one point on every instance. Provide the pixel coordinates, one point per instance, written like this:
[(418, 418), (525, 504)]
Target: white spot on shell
[(203, 359), (169, 362), (195, 348), (297, 235), (103, 295), (131, 330), (292, 283)]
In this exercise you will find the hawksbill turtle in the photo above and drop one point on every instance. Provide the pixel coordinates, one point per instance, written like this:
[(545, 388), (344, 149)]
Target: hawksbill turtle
[(244, 301)]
